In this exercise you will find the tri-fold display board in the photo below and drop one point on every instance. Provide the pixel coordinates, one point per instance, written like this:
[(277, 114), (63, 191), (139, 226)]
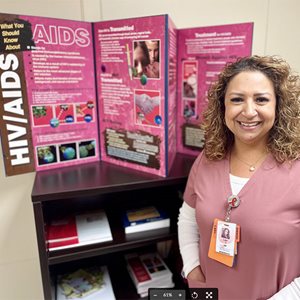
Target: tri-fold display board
[(123, 91)]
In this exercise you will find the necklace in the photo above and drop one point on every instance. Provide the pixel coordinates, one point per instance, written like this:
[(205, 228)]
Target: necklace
[(252, 166)]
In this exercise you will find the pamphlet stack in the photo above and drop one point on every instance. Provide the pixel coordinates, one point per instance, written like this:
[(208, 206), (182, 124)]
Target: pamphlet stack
[(148, 271)]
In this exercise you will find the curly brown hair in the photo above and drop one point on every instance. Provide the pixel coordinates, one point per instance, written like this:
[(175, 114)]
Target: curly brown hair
[(284, 137)]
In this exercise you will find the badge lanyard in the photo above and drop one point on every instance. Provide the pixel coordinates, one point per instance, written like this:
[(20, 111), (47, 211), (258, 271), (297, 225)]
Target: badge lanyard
[(233, 202), (225, 236)]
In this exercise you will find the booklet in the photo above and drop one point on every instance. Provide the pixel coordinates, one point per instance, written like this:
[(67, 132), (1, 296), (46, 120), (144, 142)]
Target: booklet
[(88, 283), (145, 218), (78, 230)]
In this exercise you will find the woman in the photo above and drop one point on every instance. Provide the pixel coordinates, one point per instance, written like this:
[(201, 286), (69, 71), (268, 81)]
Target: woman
[(225, 233), (248, 174), (142, 61), (140, 58)]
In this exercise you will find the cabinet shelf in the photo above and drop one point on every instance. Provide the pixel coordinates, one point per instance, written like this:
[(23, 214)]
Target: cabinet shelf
[(114, 189), (134, 241)]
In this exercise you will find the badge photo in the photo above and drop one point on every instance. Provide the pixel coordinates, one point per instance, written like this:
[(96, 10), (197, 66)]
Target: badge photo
[(226, 238)]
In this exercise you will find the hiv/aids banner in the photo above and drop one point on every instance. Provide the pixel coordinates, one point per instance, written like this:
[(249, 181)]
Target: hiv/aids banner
[(47, 89)]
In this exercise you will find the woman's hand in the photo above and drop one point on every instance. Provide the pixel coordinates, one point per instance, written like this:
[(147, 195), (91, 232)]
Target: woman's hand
[(196, 275)]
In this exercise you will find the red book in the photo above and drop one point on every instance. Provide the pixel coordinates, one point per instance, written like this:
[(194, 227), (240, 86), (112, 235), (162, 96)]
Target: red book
[(138, 269), (78, 230), (62, 232)]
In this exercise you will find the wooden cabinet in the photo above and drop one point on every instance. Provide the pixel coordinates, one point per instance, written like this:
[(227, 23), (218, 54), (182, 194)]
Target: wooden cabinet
[(112, 188)]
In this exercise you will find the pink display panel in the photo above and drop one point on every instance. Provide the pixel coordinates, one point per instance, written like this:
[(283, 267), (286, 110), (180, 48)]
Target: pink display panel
[(132, 73), (50, 87), (202, 54), (151, 82)]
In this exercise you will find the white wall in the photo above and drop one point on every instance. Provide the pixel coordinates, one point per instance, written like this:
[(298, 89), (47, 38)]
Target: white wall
[(20, 277), (276, 24)]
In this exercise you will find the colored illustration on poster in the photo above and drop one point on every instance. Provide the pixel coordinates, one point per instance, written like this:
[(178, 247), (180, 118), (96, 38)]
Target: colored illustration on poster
[(61, 153), (87, 149), (189, 89), (47, 155), (67, 152), (42, 115), (147, 108), (146, 58), (85, 112), (190, 79)]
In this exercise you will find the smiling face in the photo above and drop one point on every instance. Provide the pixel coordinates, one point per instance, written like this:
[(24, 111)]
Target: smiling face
[(250, 104)]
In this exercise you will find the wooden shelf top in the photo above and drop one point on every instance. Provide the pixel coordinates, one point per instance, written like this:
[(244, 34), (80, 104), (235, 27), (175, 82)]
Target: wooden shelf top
[(101, 177)]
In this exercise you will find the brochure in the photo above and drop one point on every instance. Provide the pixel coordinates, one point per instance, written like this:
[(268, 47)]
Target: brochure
[(88, 283)]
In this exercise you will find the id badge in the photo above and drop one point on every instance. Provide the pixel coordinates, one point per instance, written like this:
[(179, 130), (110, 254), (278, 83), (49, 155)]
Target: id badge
[(226, 238), (220, 256)]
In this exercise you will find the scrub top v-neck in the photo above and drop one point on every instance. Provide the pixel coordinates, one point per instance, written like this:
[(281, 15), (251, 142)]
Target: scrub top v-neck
[(269, 215)]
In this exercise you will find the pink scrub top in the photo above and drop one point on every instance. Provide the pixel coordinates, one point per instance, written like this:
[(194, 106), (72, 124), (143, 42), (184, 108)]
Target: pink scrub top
[(269, 215)]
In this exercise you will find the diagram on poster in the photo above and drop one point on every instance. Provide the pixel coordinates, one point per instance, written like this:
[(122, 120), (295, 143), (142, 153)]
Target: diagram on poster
[(147, 108)]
